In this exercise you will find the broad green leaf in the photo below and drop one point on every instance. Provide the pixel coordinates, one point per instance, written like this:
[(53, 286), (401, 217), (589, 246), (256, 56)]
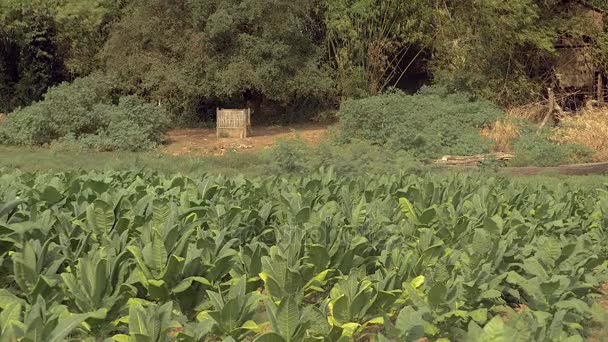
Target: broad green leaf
[(288, 317), (270, 337), (437, 294)]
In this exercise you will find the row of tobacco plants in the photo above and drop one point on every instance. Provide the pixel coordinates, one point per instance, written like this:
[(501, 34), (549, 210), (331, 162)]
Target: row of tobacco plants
[(128, 256)]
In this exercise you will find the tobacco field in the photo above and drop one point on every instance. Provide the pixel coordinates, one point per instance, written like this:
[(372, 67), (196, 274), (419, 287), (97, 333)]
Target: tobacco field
[(128, 256)]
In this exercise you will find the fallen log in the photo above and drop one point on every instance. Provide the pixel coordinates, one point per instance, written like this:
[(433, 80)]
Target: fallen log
[(473, 160)]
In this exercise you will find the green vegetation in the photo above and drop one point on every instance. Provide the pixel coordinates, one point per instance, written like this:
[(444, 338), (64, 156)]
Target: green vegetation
[(69, 69), (429, 124), (102, 238), (534, 148), (82, 114), (138, 256), (285, 56), (287, 157)]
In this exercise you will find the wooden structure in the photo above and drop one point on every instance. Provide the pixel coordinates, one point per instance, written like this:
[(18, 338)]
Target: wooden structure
[(577, 77), (233, 123)]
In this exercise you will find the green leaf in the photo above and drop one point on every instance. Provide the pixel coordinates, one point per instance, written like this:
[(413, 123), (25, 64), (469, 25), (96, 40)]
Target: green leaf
[(139, 259), (288, 317), (51, 195), (494, 224), (495, 330), (158, 253), (187, 283), (7, 299), (66, 326), (272, 286), (480, 315), (137, 319), (490, 294), (10, 313), (270, 337), (410, 324), (417, 282), (437, 294), (100, 217), (428, 216), (408, 209), (7, 208)]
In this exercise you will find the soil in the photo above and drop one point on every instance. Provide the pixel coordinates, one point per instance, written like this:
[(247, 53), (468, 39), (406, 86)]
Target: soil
[(203, 141), (567, 170)]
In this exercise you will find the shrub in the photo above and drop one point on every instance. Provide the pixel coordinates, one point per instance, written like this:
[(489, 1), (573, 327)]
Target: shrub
[(537, 149), (428, 124), (81, 115), (356, 158), (28, 126), (289, 155)]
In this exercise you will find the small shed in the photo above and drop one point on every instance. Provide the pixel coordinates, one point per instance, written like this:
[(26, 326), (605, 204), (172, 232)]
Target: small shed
[(576, 73), (233, 123)]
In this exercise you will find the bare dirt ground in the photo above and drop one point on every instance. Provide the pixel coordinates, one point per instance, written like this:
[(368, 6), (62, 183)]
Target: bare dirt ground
[(203, 141)]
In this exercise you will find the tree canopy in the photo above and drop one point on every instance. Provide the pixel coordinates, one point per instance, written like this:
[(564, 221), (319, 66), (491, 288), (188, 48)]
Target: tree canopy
[(194, 55)]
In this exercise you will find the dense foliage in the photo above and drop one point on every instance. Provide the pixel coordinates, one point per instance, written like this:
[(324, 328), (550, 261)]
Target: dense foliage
[(284, 57), (430, 123), (143, 257), (534, 148), (83, 113)]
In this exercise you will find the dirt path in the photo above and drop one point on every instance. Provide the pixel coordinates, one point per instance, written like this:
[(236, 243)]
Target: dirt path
[(567, 170), (203, 141)]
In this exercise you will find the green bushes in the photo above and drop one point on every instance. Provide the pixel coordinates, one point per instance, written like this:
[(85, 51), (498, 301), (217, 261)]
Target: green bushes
[(537, 149), (428, 124), (357, 158), (82, 115)]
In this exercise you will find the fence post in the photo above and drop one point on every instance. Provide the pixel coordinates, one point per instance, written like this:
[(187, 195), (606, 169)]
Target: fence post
[(600, 90), (217, 124)]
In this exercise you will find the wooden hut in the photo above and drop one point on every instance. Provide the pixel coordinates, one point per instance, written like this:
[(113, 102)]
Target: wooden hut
[(577, 77)]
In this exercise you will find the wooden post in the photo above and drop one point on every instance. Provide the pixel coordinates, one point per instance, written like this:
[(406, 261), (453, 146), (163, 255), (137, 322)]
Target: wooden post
[(248, 120), (552, 105), (217, 126), (600, 90)]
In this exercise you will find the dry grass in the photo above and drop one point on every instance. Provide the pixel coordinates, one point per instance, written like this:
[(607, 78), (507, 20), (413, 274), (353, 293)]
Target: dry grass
[(534, 112), (589, 129), (2, 117), (503, 133)]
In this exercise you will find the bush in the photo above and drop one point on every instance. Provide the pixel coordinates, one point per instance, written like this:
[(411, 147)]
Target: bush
[(289, 155), (537, 149), (428, 124), (81, 115), (356, 158)]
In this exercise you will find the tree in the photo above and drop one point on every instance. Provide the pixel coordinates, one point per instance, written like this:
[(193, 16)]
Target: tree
[(31, 61), (373, 40), (195, 54), (45, 42), (502, 50)]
